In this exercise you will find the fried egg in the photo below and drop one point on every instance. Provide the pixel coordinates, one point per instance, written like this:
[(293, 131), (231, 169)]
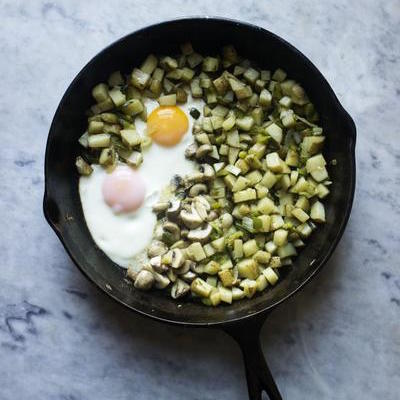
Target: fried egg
[(117, 206)]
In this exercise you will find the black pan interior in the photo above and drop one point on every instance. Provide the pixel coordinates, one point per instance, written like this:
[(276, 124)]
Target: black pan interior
[(62, 205)]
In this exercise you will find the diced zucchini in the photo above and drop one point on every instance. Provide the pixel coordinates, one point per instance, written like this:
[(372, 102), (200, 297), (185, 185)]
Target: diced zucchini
[(115, 79), (244, 195), (83, 167), (250, 247), (99, 141), (249, 287), (210, 64), (275, 132), (300, 214), (107, 156), (271, 275), (201, 287), (212, 268), (265, 98), (280, 237), (245, 123), (95, 127), (140, 79), (195, 252), (117, 97), (288, 250), (226, 294), (262, 283), (276, 164), (226, 277), (130, 137), (317, 212), (247, 268), (132, 107), (100, 92), (167, 100)]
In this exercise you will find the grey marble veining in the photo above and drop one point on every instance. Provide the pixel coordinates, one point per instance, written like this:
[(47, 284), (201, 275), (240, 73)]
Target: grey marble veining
[(62, 339)]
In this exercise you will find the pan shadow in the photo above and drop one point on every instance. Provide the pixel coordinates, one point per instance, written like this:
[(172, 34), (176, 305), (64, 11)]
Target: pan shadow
[(142, 344)]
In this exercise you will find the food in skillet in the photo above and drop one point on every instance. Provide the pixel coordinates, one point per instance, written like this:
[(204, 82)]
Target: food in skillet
[(202, 175)]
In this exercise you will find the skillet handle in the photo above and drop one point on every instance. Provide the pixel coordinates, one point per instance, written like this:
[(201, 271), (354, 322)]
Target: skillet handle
[(258, 375)]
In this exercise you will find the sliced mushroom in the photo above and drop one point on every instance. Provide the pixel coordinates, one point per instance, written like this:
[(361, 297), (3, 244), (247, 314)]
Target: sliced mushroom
[(160, 281), (199, 207), (190, 219), (184, 268), (226, 220), (197, 189), (172, 232), (200, 235), (178, 258), (179, 289), (212, 215), (171, 275), (156, 248), (204, 201), (203, 150), (196, 176), (190, 151), (144, 280), (180, 244), (188, 276), (173, 209), (160, 206), (132, 272), (207, 171), (158, 231)]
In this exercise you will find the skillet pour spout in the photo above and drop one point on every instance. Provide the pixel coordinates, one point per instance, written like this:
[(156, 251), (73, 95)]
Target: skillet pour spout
[(62, 209)]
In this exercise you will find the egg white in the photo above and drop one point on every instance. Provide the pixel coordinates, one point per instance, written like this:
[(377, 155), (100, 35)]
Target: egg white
[(123, 237)]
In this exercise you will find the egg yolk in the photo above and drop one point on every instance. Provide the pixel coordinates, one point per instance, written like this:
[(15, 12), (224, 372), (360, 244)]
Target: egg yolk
[(166, 125), (124, 189)]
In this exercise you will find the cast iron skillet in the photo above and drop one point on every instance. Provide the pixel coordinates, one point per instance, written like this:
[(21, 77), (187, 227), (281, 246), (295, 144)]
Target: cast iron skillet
[(242, 320)]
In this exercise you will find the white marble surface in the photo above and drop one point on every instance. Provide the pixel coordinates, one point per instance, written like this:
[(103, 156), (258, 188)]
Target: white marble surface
[(62, 339)]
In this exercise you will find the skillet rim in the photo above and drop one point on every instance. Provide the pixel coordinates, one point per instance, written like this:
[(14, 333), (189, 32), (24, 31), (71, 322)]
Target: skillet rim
[(322, 261)]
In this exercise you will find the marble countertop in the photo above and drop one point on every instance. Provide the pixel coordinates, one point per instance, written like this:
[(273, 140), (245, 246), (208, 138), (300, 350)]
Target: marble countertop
[(62, 339)]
